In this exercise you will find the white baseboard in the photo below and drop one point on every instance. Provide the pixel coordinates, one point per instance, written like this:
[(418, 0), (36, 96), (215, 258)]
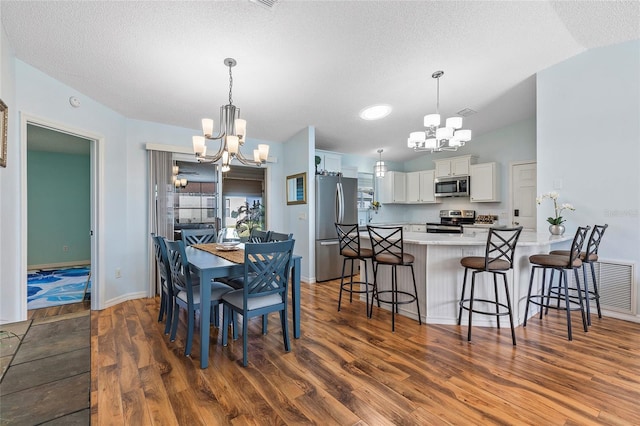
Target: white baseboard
[(123, 298), (59, 265)]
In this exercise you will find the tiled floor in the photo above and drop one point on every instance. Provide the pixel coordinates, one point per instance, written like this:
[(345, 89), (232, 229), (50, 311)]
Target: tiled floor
[(48, 377)]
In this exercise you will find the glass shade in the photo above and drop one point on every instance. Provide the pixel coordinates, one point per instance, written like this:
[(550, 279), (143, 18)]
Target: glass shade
[(183, 182), (207, 126), (432, 120), (431, 143), (241, 129), (417, 137), (198, 145), (463, 135), (454, 122), (379, 169), (444, 133), (175, 170), (264, 152), (256, 156), (232, 144)]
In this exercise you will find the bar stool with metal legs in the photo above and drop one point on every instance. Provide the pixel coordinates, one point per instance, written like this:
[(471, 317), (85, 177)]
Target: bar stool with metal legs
[(352, 251), (561, 264), (589, 257), (498, 260), (388, 250)]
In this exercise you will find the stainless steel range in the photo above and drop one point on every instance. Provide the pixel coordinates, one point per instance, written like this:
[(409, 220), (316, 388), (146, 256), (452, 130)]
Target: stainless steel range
[(451, 221)]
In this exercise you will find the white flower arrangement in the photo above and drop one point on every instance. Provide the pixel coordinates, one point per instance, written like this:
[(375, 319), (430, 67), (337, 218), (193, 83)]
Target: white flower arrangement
[(557, 219)]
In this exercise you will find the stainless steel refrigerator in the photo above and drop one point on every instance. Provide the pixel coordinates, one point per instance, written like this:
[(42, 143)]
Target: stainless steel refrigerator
[(336, 201)]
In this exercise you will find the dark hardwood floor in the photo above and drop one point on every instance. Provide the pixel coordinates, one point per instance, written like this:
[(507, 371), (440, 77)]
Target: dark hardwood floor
[(347, 369)]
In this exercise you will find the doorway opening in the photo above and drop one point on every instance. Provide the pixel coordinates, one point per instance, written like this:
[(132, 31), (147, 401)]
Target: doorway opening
[(243, 198), (60, 205)]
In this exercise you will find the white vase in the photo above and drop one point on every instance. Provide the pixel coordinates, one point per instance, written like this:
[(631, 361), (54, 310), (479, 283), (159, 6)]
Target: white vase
[(556, 229)]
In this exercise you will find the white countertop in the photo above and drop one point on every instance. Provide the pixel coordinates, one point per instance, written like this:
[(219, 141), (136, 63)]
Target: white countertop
[(527, 238)]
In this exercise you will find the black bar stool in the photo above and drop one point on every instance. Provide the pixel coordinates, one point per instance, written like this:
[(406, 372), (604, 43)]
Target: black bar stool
[(589, 257), (561, 264), (351, 250), (388, 249), (498, 259)]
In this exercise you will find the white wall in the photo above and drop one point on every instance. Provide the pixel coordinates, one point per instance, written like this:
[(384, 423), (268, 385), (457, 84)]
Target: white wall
[(588, 146), (10, 309), (300, 218)]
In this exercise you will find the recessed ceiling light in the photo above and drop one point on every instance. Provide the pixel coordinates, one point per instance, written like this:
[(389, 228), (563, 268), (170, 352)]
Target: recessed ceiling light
[(375, 112)]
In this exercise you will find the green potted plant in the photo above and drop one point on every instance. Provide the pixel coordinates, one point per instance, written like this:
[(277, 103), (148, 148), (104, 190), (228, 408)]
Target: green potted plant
[(253, 218)]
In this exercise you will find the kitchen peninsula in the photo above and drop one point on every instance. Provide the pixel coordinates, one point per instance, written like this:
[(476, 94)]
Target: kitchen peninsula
[(439, 274)]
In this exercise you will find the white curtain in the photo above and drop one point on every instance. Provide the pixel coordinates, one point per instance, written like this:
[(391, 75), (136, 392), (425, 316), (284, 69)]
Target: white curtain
[(160, 199)]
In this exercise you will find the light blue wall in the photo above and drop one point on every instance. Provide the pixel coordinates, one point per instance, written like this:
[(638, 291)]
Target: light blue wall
[(10, 248), (589, 144), (300, 218), (59, 208)]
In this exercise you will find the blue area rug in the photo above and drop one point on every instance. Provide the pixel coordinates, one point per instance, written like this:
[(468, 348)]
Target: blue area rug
[(56, 287)]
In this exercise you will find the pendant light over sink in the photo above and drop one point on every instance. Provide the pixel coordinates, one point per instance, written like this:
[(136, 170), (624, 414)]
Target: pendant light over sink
[(380, 168), (435, 138), (232, 135)]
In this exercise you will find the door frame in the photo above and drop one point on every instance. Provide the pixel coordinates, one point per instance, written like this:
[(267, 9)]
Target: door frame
[(96, 199), (511, 175)]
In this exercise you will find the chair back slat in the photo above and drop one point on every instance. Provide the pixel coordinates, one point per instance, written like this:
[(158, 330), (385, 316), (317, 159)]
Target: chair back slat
[(160, 252), (279, 236), (387, 241), (198, 236), (594, 240), (267, 267), (577, 244), (501, 245), (179, 266), (349, 237), (258, 236)]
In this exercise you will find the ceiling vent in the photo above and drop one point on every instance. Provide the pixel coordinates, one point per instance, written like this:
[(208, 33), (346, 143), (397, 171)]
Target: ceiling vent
[(269, 4), (466, 112)]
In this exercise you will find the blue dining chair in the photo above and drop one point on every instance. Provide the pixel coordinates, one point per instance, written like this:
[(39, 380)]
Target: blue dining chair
[(167, 299), (279, 236), (198, 236), (266, 278), (258, 236), (187, 296)]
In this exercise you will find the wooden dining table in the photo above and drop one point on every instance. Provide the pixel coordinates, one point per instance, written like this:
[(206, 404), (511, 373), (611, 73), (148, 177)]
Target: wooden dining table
[(210, 266)]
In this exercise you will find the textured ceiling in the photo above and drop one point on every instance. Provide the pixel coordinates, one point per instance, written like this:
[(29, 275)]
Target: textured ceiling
[(313, 63)]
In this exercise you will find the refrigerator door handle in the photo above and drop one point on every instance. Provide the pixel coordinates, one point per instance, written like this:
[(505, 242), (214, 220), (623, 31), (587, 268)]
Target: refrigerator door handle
[(339, 203)]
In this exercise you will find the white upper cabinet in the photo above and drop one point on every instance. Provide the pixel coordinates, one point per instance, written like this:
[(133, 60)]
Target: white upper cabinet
[(330, 162), (454, 166), (419, 187), (485, 182), (393, 188)]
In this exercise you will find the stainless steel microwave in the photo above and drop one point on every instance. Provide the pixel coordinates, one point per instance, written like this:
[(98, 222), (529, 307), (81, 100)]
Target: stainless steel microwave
[(455, 186)]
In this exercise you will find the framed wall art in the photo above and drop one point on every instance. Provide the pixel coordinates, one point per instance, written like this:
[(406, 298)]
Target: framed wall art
[(4, 113)]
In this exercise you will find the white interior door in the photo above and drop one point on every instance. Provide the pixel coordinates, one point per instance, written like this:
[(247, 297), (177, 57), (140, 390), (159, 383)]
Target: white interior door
[(523, 195)]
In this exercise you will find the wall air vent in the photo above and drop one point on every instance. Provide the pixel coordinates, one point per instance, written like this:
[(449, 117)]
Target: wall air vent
[(269, 4), (466, 112)]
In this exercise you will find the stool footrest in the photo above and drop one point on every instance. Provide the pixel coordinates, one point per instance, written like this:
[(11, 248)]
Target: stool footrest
[(492, 302), (368, 287), (548, 304), (412, 297)]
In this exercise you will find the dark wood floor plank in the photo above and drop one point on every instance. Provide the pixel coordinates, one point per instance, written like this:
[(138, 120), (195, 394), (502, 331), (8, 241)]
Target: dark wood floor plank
[(347, 369)]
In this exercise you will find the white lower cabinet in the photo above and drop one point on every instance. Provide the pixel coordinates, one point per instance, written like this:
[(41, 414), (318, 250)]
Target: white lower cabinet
[(485, 182)]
